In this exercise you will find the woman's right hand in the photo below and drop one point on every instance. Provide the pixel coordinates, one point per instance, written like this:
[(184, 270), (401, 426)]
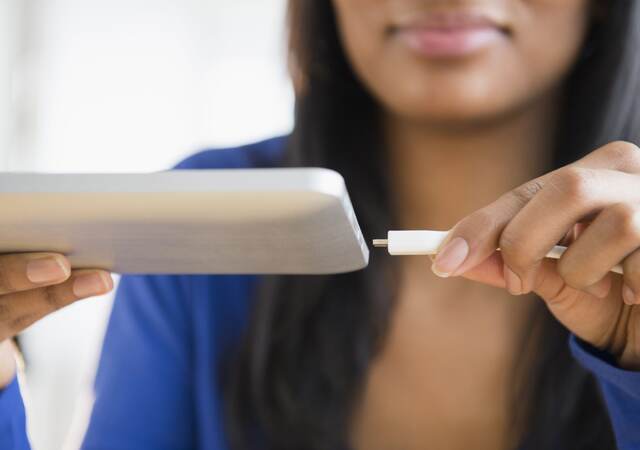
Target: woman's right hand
[(33, 285)]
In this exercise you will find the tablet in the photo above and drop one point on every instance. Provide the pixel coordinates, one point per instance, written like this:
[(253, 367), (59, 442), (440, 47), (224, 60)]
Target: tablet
[(223, 221)]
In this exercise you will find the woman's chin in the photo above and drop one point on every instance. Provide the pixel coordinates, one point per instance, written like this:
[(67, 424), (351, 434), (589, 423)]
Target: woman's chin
[(455, 100), (452, 115)]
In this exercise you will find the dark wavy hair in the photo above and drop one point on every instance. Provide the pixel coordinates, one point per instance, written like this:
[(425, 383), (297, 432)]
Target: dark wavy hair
[(301, 366)]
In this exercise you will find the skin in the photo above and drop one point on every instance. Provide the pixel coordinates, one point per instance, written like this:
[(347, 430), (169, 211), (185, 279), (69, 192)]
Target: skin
[(479, 127), (542, 39), (33, 285)]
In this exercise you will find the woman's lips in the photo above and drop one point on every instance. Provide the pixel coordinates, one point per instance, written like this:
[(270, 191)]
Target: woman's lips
[(450, 35)]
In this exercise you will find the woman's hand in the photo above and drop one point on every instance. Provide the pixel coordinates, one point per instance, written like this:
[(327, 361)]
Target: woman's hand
[(593, 206), (33, 285)]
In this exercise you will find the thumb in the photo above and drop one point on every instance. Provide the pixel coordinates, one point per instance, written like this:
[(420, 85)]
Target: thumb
[(488, 271)]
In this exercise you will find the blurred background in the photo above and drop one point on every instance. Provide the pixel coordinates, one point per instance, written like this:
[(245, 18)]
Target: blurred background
[(125, 86)]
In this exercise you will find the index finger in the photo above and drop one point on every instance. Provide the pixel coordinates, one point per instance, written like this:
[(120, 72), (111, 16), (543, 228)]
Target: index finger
[(553, 212), (25, 271), (474, 238)]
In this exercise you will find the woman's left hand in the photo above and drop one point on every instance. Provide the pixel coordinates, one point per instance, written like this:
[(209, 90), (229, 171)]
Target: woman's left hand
[(593, 207)]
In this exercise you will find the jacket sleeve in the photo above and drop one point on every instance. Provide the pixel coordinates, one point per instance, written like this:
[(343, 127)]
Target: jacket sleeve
[(13, 433), (620, 389)]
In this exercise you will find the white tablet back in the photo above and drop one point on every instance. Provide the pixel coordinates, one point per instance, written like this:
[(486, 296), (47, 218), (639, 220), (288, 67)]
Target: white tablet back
[(260, 221)]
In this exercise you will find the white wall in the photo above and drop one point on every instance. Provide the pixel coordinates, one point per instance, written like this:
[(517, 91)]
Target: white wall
[(9, 35), (133, 85)]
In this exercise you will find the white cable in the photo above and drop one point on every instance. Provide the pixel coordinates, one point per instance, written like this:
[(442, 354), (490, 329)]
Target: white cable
[(427, 242)]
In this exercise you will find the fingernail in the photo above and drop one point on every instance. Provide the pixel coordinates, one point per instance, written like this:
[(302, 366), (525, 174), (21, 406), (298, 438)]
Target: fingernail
[(46, 270), (87, 285), (628, 296), (512, 281), (450, 257)]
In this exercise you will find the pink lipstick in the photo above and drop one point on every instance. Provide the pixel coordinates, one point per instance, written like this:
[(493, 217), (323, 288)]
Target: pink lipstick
[(450, 34)]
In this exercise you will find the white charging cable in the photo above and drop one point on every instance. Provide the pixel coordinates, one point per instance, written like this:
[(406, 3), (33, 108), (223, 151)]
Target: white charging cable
[(427, 242)]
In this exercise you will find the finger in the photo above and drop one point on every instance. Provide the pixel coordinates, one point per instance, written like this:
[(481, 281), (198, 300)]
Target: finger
[(489, 271), (618, 155), (585, 315), (474, 238), (631, 278), (480, 232), (613, 235), (568, 238), (24, 271), (602, 287), (568, 197), (20, 309), (573, 233)]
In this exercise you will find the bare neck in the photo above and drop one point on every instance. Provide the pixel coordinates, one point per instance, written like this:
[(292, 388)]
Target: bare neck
[(440, 175)]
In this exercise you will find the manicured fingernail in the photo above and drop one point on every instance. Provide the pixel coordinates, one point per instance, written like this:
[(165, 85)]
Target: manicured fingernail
[(512, 281), (450, 257), (628, 296), (87, 285), (46, 270)]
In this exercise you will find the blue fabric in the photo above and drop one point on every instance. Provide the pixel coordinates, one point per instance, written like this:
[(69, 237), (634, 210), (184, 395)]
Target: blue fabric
[(620, 388), (158, 384), (13, 433)]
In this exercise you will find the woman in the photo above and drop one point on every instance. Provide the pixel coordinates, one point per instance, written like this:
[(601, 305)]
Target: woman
[(512, 120)]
